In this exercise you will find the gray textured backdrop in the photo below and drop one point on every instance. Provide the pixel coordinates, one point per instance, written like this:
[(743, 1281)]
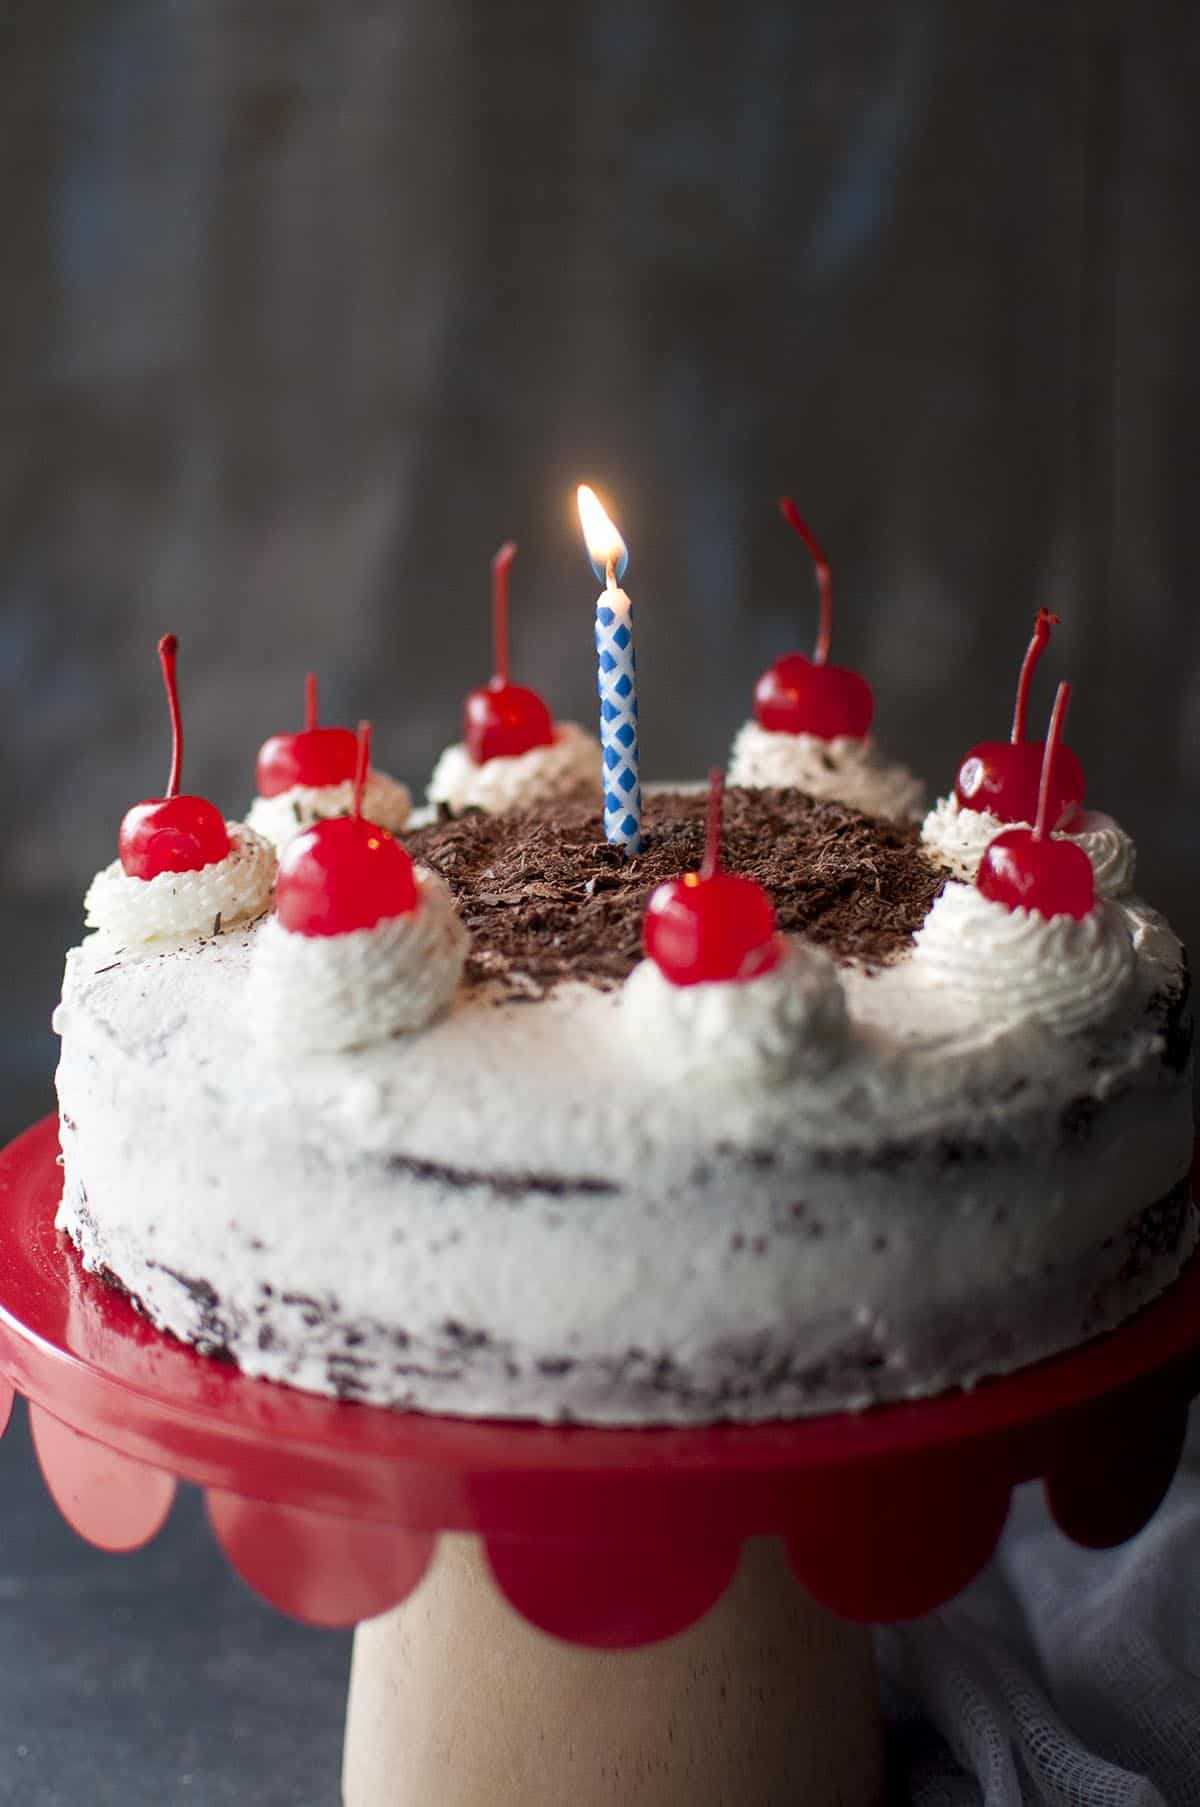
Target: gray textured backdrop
[(305, 306)]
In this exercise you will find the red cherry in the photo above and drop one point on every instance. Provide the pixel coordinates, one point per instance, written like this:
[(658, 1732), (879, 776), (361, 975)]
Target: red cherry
[(501, 719), (172, 833), (1053, 877), (317, 757), (809, 696), (345, 873), (1023, 868), (797, 696), (1004, 776), (711, 924)]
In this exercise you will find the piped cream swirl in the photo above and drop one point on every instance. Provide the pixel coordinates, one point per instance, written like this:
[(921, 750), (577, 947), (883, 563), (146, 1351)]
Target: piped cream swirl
[(175, 905), (959, 837), (844, 770), (385, 801), (788, 1023), (1013, 967), (569, 767), (324, 993)]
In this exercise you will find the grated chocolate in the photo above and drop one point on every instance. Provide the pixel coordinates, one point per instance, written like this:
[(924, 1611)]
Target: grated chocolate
[(547, 899)]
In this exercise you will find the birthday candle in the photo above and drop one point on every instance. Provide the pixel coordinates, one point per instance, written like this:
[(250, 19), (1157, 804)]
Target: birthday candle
[(616, 678)]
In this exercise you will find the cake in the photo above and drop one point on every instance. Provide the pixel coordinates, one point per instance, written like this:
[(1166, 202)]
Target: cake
[(779, 1103), (938, 1140)]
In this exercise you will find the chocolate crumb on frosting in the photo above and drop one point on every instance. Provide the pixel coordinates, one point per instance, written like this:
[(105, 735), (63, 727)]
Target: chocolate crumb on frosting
[(546, 898)]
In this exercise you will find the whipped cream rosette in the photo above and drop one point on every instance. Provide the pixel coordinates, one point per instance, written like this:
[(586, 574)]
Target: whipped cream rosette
[(846, 769), (786, 1023), (958, 838), (174, 905), (329, 992), (569, 767), (1013, 967), (288, 813)]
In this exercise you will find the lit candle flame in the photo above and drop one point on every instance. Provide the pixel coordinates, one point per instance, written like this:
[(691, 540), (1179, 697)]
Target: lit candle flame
[(605, 547)]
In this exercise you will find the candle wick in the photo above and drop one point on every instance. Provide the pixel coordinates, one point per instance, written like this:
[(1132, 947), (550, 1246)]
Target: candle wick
[(610, 574)]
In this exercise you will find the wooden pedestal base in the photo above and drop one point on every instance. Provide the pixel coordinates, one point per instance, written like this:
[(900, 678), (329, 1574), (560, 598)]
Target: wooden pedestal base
[(456, 1702)]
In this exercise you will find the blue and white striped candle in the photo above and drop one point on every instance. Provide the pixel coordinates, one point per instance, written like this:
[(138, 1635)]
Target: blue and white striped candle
[(616, 678)]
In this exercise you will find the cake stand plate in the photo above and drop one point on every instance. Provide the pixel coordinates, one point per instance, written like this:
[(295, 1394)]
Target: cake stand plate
[(607, 1539)]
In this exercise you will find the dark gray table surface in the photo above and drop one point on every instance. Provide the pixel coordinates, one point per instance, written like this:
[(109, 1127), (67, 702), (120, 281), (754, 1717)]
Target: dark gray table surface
[(155, 1679)]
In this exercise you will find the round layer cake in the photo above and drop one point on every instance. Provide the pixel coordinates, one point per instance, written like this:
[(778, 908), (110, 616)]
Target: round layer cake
[(939, 1150)]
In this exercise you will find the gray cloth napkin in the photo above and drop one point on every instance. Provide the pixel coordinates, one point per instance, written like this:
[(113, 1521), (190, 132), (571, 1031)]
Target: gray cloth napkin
[(1062, 1677)]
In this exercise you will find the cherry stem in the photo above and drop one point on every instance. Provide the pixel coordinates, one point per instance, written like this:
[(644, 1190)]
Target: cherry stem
[(362, 768), (311, 702), (1037, 646), (794, 519), (501, 566), (712, 838), (1053, 736), (168, 648)]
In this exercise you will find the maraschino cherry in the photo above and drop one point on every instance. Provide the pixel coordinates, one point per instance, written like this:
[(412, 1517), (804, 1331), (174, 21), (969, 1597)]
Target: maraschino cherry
[(1023, 868), (502, 719), (1004, 776), (316, 757), (173, 833), (711, 924), (810, 696), (344, 873)]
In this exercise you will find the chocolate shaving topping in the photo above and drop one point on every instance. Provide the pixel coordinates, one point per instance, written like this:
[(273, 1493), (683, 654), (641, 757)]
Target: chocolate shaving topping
[(546, 898)]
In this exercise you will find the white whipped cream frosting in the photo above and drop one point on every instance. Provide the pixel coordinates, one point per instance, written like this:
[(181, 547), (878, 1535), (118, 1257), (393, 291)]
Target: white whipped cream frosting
[(844, 770), (959, 837), (386, 802), (175, 905), (325, 993), (786, 1023), (1015, 967), (600, 1207), (569, 767)]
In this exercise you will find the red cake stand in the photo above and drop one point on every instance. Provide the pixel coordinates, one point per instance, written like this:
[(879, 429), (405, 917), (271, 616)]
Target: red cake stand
[(683, 1659)]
